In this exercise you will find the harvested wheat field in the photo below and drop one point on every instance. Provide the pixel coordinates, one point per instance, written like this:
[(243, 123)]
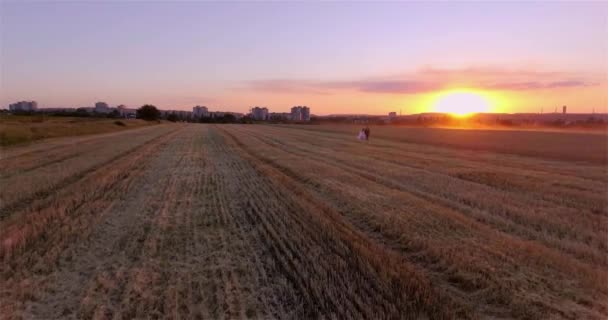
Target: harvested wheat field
[(253, 221)]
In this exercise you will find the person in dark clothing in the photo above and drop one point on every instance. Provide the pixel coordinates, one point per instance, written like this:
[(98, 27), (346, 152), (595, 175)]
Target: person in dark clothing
[(366, 133)]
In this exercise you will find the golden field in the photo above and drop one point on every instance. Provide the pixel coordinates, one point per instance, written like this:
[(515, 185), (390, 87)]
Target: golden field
[(257, 221)]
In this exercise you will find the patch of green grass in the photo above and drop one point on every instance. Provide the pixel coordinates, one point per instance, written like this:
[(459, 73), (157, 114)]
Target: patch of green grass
[(20, 129)]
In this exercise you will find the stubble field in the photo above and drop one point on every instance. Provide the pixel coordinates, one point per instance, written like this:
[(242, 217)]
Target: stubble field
[(253, 221)]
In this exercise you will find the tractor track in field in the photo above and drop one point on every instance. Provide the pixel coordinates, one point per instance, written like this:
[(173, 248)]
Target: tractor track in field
[(184, 241), (41, 193), (507, 220), (423, 156), (58, 151), (339, 226), (196, 221), (461, 282), (66, 222)]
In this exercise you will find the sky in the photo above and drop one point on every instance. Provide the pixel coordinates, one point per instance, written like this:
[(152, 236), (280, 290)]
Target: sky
[(335, 57)]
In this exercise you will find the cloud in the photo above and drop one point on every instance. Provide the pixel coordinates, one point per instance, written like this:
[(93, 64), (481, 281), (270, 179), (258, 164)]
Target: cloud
[(570, 83), (289, 86), (431, 79), (403, 86), (491, 72), (518, 86), (535, 85), (328, 87)]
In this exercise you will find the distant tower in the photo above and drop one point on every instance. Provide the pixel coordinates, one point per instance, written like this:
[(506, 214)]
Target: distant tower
[(541, 110), (564, 110)]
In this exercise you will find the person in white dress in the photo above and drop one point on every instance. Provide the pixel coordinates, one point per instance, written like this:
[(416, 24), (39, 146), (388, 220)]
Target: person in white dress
[(362, 135)]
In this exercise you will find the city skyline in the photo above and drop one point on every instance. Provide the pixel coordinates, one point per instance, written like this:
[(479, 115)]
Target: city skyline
[(338, 58)]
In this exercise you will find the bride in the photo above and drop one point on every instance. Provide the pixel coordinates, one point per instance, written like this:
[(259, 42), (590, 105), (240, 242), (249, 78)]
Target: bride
[(361, 135)]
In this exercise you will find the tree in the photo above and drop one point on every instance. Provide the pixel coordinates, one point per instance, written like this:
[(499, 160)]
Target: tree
[(148, 112), (114, 114), (246, 119), (81, 112), (172, 117), (228, 118)]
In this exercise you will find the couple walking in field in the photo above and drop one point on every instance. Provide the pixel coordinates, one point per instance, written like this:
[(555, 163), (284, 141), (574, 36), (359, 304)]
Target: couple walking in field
[(364, 134)]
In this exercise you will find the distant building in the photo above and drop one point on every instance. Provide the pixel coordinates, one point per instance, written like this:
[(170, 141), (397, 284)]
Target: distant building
[(24, 106), (296, 113), (300, 113), (259, 113), (183, 114), (200, 111), (392, 115), (564, 109), (126, 112), (305, 113), (102, 107)]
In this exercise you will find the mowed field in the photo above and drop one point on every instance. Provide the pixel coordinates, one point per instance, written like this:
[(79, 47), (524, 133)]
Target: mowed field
[(196, 221)]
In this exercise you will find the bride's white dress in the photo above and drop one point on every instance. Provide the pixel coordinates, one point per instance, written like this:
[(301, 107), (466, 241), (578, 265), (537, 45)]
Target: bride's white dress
[(361, 135)]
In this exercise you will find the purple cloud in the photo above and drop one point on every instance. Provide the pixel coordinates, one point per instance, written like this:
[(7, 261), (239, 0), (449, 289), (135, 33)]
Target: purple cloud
[(427, 80), (569, 83), (288, 86), (535, 85), (388, 86), (326, 87)]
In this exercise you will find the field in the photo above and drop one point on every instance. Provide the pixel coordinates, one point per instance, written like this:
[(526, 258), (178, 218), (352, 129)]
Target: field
[(203, 221), (16, 129)]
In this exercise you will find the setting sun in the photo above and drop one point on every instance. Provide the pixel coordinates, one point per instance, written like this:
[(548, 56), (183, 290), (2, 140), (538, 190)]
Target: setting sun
[(461, 103)]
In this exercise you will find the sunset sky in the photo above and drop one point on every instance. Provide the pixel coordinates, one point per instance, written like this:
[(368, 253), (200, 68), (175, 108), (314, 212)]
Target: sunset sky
[(334, 57)]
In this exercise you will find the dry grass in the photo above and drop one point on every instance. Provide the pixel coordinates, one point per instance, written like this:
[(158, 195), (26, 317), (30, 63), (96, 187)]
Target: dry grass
[(245, 221), (15, 129)]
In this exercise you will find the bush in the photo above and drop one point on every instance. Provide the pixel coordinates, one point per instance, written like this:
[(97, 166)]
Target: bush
[(172, 117), (114, 114), (148, 112)]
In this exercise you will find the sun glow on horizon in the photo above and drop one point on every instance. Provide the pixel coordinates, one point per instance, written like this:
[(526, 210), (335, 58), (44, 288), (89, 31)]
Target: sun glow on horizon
[(461, 103)]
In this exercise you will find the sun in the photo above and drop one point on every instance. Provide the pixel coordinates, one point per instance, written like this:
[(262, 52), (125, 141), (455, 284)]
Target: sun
[(461, 103)]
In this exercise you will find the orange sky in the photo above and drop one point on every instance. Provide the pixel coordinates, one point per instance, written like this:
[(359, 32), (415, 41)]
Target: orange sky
[(506, 90)]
